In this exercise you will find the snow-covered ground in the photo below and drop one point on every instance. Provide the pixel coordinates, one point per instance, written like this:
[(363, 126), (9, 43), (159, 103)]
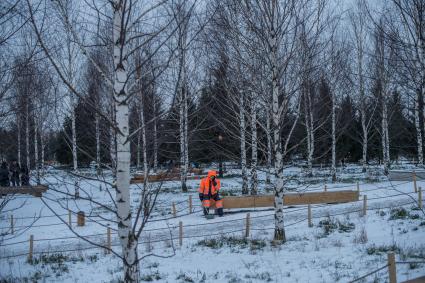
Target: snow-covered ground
[(341, 246)]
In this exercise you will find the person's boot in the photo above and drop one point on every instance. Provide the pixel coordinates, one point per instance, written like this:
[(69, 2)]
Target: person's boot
[(220, 211), (206, 210)]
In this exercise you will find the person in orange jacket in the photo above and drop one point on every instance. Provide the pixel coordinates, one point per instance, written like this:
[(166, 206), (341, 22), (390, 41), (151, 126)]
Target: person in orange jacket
[(209, 190)]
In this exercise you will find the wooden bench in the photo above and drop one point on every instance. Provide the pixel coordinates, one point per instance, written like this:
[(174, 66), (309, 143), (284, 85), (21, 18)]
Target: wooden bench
[(289, 199), (36, 191)]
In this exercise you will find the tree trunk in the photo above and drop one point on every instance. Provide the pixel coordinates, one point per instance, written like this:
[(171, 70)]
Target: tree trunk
[(333, 169), (418, 131), (125, 233), (42, 145), (138, 148), (97, 124), (279, 230), (254, 179), (385, 138), (36, 160), (155, 139), (269, 147), (27, 136), (74, 135), (18, 122), (243, 144), (183, 112)]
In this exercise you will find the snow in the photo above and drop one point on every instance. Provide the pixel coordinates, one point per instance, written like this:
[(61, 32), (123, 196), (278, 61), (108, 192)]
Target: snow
[(310, 254)]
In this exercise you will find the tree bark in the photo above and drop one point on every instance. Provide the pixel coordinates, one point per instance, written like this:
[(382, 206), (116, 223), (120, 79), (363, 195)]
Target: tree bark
[(27, 135), (18, 122), (126, 235), (97, 124), (333, 169), (279, 231), (254, 179), (269, 147), (243, 143), (418, 131)]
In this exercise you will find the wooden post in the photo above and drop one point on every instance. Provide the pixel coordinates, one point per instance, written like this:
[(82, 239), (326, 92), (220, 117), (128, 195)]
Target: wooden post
[(69, 218), (12, 228), (414, 182), (391, 267), (148, 243), (364, 205), (180, 233), (247, 225), (358, 187), (310, 223), (420, 198), (326, 188), (174, 210), (108, 240), (190, 204), (81, 218), (31, 248)]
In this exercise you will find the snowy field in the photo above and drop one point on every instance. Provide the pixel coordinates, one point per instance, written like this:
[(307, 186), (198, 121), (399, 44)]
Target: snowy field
[(341, 246)]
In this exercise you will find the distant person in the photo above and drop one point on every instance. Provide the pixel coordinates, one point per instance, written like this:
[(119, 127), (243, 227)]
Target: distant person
[(4, 175), (209, 190), (25, 176), (14, 173)]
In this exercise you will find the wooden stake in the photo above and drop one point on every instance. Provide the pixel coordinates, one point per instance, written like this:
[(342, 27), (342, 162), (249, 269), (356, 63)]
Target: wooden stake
[(69, 218), (180, 233), (108, 240), (148, 243), (174, 210), (364, 205), (391, 268), (358, 187), (31, 248), (414, 182), (81, 221), (12, 228), (310, 223), (190, 204), (247, 225), (326, 188), (420, 198)]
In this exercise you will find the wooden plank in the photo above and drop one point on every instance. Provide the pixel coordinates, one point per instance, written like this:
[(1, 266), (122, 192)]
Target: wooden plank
[(32, 190), (290, 199), (417, 280)]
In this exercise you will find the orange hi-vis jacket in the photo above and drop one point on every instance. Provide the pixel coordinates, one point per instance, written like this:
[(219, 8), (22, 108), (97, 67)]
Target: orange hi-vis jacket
[(204, 187), (210, 191)]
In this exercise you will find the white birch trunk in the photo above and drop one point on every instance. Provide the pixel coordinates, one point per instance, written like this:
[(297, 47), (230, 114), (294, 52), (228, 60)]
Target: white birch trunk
[(127, 237), (74, 135), (42, 146), (362, 104), (333, 169), (27, 136), (183, 111), (243, 144), (418, 131), (138, 148), (155, 140), (279, 231), (311, 133), (36, 160), (269, 147), (385, 138), (19, 140), (183, 176), (97, 124), (186, 136), (254, 179)]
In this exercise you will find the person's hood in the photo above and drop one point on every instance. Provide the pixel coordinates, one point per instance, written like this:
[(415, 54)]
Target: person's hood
[(212, 173)]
